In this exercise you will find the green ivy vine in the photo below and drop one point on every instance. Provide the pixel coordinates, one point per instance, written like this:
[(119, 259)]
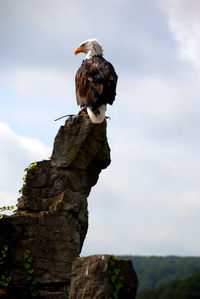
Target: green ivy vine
[(29, 272), (3, 209), (31, 166), (114, 277), (5, 278)]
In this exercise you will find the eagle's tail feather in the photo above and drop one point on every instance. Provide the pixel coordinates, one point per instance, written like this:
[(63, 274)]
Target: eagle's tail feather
[(98, 115)]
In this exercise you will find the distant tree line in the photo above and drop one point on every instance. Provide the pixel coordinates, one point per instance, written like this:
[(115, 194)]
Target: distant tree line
[(156, 272), (178, 289)]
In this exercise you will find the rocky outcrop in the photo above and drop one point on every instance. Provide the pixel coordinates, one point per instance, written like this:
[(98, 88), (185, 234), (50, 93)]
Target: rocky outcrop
[(52, 219), (43, 239), (102, 276)]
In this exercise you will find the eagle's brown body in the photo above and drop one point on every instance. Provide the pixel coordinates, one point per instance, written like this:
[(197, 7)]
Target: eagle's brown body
[(96, 82)]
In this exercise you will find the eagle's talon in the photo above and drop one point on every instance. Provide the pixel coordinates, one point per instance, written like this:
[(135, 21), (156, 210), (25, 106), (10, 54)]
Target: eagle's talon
[(83, 112)]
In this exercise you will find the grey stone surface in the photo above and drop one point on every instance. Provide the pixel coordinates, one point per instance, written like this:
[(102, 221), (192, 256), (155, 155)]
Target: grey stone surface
[(52, 219), (91, 278)]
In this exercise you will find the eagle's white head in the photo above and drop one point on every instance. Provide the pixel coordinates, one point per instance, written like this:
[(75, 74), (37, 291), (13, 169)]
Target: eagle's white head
[(90, 47)]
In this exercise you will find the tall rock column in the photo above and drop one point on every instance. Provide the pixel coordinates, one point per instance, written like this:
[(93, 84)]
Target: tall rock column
[(52, 219)]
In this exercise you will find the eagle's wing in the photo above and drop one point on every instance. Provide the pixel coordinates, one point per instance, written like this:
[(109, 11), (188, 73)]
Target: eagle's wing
[(95, 83)]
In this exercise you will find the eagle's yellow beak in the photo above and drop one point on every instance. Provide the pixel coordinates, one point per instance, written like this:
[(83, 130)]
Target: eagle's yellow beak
[(78, 50)]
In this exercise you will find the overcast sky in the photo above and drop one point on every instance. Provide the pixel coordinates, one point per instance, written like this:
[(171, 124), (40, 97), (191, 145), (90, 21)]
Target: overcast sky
[(148, 201)]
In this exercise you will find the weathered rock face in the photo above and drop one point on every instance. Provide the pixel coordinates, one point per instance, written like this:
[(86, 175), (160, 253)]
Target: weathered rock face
[(52, 218), (45, 236), (91, 278)]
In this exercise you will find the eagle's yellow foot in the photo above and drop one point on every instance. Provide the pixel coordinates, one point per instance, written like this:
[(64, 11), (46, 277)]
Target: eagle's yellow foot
[(83, 112)]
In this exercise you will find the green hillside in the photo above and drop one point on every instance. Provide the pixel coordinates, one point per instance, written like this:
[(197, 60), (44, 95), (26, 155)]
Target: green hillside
[(155, 272), (185, 289)]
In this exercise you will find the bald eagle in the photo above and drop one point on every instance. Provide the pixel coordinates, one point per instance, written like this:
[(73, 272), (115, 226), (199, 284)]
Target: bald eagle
[(95, 81)]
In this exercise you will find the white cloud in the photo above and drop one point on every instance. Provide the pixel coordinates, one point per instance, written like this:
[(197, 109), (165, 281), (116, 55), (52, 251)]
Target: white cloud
[(147, 201), (16, 153), (46, 83), (185, 23), (160, 108)]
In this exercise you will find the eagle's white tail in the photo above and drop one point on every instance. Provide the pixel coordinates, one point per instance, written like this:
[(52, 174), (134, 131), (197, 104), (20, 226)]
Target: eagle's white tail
[(98, 115)]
